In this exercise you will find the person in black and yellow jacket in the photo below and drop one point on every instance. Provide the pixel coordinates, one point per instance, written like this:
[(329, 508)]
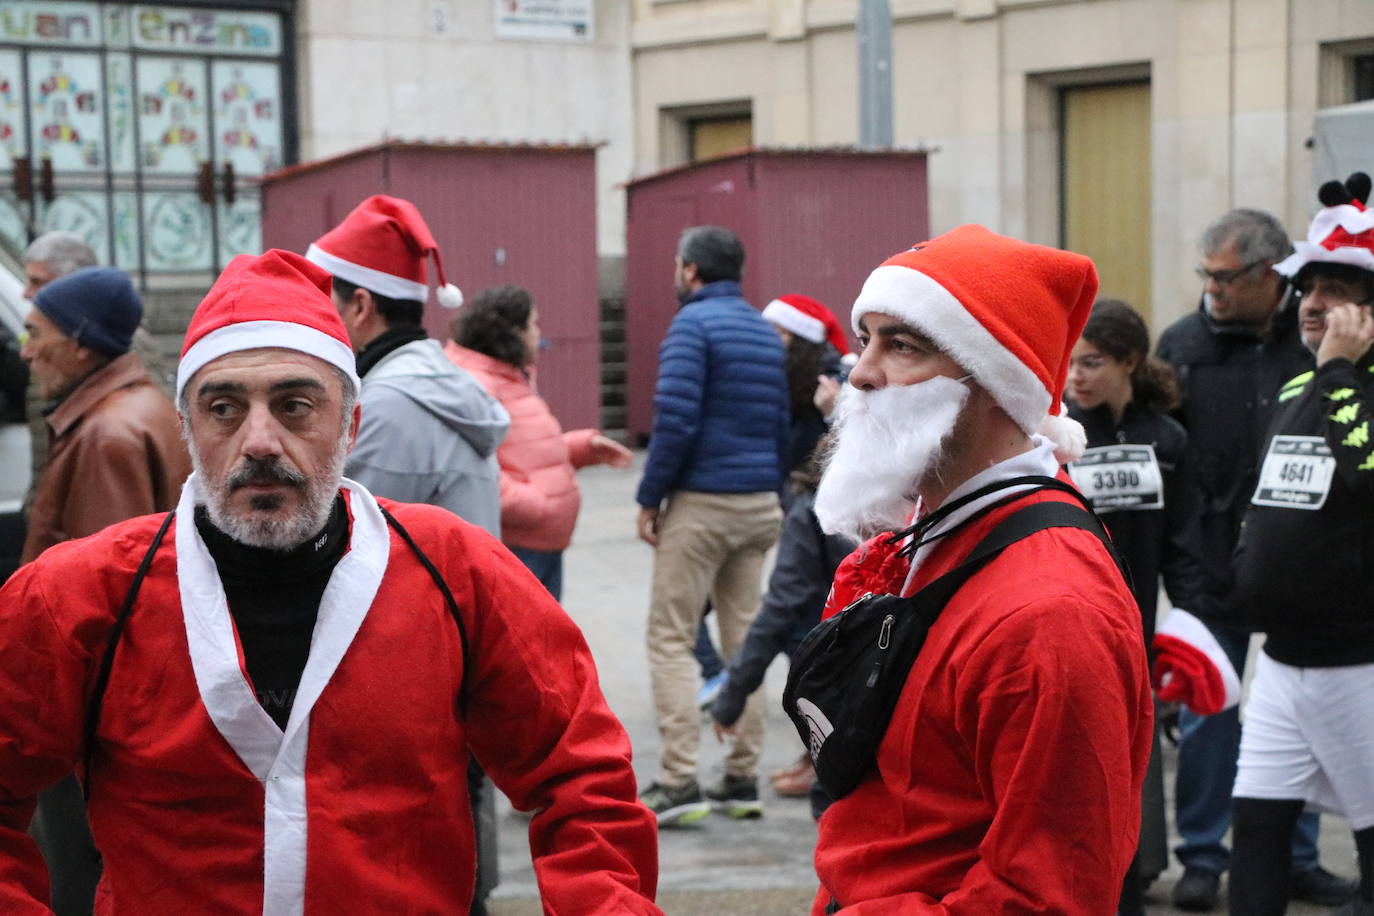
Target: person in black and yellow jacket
[(1304, 566)]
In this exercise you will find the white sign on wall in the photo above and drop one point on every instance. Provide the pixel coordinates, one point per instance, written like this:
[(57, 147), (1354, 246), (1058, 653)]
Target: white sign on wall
[(545, 20)]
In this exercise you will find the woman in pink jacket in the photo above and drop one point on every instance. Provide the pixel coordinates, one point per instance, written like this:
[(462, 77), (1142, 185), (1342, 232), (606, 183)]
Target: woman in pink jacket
[(496, 338)]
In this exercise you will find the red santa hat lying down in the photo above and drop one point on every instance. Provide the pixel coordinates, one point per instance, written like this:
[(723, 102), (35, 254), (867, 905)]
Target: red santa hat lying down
[(1191, 668)]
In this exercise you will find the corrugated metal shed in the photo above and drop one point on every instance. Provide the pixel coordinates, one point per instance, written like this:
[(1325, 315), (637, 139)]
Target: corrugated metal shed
[(812, 221), (501, 213)]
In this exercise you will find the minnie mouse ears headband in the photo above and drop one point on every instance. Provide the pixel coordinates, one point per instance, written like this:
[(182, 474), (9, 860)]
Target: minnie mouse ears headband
[(1342, 232)]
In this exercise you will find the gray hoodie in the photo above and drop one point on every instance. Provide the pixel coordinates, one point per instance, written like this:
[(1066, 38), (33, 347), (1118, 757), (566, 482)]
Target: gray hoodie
[(428, 434)]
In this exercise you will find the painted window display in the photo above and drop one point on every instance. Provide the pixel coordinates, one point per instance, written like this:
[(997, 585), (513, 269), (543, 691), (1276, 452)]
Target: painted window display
[(82, 212), (248, 130), (141, 127), (13, 113), (176, 232), (173, 121), (67, 112)]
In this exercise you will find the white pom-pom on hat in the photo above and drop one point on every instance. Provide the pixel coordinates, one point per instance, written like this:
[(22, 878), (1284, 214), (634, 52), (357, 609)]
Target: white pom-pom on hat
[(1067, 434), (450, 296)]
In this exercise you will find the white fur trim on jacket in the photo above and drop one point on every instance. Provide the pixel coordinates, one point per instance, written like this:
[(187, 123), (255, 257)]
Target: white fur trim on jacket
[(917, 300), (277, 759)]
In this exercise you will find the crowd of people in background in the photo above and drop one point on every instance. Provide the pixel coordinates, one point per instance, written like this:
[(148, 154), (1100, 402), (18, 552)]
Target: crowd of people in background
[(998, 484)]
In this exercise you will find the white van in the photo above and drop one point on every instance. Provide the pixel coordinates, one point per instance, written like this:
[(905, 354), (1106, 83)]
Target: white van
[(16, 459)]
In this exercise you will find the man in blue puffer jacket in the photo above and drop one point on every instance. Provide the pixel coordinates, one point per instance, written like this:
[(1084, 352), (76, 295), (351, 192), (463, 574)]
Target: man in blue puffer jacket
[(709, 506)]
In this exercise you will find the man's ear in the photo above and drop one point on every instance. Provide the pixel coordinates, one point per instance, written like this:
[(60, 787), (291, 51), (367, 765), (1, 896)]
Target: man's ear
[(366, 305), (689, 273), (353, 430)]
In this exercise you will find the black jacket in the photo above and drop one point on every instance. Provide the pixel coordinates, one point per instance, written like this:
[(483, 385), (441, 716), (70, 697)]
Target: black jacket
[(1154, 542), (1229, 378), (797, 589), (1307, 575)]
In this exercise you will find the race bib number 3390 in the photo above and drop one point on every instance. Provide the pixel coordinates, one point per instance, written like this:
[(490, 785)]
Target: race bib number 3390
[(1296, 473), (1114, 477)]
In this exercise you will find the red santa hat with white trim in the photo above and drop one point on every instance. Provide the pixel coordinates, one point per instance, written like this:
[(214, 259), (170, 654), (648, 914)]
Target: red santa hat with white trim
[(808, 319), (1342, 232), (1007, 311), (1191, 667), (276, 299), (384, 246)]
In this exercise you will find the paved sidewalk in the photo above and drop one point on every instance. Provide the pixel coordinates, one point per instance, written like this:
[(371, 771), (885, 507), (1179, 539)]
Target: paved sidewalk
[(723, 867)]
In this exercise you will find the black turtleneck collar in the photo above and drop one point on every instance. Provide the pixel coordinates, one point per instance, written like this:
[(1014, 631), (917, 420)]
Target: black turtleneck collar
[(241, 564), (274, 597), (381, 345)]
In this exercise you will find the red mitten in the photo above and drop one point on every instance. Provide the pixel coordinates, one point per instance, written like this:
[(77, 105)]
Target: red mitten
[(1191, 668)]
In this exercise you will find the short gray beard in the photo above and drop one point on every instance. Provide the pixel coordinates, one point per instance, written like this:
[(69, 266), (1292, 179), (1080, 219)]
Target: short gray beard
[(281, 534)]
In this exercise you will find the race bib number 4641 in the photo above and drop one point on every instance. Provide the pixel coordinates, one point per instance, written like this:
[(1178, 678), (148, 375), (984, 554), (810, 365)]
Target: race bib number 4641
[(1119, 477), (1296, 474)]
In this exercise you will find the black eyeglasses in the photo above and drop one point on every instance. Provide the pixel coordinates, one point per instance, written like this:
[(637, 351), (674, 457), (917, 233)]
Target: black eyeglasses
[(1226, 277)]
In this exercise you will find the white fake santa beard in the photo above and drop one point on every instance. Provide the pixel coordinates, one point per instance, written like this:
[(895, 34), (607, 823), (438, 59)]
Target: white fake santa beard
[(885, 443), (317, 501)]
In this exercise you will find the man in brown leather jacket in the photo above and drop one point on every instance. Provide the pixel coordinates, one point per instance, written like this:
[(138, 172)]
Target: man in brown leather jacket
[(116, 449)]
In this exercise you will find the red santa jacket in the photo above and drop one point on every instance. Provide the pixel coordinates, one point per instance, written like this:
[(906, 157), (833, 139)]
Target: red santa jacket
[(200, 804), (1008, 781)]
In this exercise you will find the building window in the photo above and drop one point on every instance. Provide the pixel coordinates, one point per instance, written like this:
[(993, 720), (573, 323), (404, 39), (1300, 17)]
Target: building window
[(1363, 71), (711, 137), (691, 133), (142, 129)]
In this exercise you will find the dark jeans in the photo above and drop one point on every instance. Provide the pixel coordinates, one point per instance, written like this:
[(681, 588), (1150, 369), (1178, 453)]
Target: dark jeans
[(705, 651), (1208, 749), (547, 566)]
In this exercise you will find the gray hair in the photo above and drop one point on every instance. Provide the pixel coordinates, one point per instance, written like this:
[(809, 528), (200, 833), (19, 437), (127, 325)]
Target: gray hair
[(63, 252), (715, 250), (1257, 235)]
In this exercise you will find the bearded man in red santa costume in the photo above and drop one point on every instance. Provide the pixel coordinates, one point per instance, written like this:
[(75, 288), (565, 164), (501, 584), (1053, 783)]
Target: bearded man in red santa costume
[(272, 693), (1007, 778)]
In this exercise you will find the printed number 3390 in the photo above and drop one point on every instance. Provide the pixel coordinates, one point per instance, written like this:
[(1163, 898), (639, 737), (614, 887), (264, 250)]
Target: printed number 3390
[(1110, 480)]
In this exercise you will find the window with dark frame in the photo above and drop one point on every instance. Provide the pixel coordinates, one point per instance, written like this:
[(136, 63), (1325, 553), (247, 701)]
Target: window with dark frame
[(1363, 68)]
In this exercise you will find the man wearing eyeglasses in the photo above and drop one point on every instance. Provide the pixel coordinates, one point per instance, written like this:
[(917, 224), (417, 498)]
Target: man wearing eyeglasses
[(1232, 355)]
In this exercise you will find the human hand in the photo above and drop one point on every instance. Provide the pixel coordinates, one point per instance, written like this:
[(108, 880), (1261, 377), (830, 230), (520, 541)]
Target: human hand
[(1349, 333), (648, 525), (608, 451), (724, 731), (827, 390)]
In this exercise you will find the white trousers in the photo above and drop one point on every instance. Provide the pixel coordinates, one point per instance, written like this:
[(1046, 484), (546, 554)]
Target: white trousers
[(1309, 736)]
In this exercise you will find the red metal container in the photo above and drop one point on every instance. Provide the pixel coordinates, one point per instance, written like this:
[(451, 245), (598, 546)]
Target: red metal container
[(814, 222), (516, 214)]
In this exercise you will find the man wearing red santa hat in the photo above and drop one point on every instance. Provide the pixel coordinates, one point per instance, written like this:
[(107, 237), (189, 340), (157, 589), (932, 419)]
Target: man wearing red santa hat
[(272, 693), (431, 430), (1007, 777)]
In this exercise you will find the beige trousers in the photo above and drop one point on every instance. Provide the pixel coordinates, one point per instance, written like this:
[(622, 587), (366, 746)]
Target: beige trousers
[(710, 545)]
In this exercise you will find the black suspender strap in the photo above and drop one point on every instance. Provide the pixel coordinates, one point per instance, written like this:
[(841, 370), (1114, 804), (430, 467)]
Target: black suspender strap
[(102, 679), (448, 599)]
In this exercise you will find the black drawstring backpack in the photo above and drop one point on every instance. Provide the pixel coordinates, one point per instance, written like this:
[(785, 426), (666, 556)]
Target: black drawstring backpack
[(848, 673)]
